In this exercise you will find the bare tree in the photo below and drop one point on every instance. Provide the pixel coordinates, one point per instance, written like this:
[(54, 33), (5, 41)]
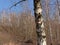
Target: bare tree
[(41, 36)]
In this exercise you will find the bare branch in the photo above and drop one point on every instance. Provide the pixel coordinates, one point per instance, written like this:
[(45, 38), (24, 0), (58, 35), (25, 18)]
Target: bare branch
[(17, 3)]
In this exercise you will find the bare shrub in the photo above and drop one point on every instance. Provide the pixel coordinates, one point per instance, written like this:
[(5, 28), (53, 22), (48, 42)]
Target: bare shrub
[(20, 27)]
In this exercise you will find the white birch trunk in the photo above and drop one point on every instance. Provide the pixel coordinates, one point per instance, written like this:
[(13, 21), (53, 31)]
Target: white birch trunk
[(41, 36)]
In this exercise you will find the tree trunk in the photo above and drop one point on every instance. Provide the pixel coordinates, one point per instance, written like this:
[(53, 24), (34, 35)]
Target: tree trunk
[(41, 36)]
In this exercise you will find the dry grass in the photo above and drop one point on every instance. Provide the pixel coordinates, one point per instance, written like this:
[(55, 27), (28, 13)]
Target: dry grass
[(17, 29)]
